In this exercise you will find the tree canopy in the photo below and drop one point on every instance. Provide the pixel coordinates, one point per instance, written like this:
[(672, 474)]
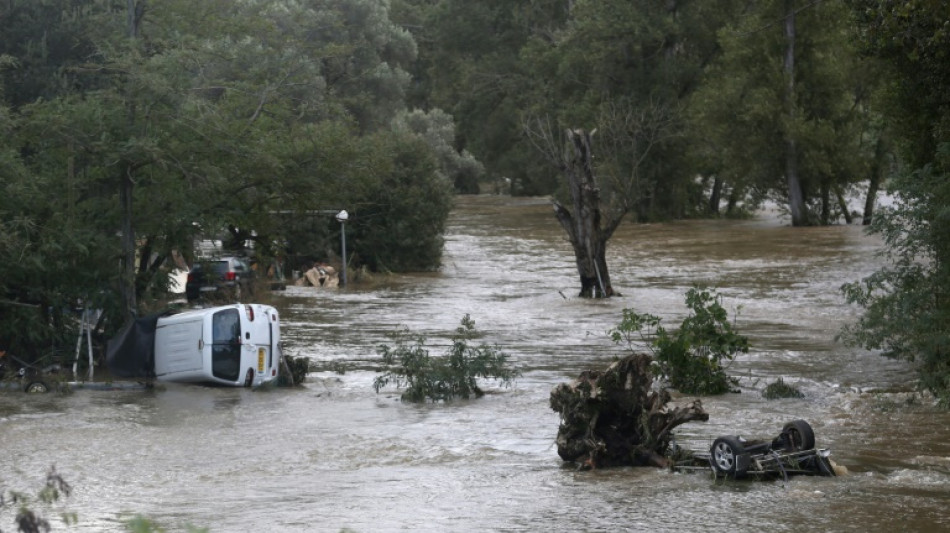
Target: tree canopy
[(178, 121), (907, 308)]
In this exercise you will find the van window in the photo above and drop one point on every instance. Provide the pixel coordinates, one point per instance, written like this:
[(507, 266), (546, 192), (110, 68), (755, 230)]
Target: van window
[(226, 344)]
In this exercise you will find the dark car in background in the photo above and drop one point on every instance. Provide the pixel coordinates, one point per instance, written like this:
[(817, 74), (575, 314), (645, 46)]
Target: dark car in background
[(222, 278)]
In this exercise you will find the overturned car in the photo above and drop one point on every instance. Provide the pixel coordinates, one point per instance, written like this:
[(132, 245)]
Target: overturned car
[(792, 452)]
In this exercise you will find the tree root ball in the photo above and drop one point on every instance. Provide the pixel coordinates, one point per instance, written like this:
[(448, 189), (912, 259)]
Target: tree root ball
[(617, 418)]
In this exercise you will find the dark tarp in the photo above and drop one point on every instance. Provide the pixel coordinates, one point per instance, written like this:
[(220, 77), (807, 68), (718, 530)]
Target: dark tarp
[(131, 353)]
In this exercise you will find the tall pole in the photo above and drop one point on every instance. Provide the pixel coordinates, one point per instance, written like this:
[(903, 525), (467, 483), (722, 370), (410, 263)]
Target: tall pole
[(135, 11), (343, 216)]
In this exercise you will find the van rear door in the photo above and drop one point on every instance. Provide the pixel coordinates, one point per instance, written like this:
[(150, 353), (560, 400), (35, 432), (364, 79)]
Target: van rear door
[(226, 344)]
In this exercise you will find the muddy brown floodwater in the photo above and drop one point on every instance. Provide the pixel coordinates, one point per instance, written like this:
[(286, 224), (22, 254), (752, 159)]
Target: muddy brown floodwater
[(335, 455)]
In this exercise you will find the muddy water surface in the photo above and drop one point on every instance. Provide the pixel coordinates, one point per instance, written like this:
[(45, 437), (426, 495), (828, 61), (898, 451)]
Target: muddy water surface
[(334, 454)]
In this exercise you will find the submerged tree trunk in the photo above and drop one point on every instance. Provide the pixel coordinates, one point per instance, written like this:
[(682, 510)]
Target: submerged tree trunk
[(843, 205), (715, 196), (877, 171), (583, 223), (733, 204), (825, 204), (615, 418)]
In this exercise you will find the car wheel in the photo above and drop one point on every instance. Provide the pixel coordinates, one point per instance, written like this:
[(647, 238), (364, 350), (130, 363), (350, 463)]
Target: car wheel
[(249, 377), (36, 387), (799, 435), (725, 456)]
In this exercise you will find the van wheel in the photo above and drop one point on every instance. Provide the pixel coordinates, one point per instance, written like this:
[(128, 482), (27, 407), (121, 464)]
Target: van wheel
[(249, 377), (36, 387)]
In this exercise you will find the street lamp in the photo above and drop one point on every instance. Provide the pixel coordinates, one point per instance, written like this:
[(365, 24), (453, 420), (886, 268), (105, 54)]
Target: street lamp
[(343, 216)]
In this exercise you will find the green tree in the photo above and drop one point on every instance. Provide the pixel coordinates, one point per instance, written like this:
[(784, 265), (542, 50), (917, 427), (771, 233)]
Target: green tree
[(907, 308), (437, 130), (469, 65), (782, 111), (215, 116), (400, 213)]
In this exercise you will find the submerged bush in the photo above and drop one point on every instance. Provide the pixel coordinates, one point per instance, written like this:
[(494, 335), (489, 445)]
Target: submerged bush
[(780, 389), (444, 378), (294, 372), (26, 517), (691, 357)]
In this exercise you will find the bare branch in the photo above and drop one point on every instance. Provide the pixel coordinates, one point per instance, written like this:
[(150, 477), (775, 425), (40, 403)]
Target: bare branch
[(541, 134)]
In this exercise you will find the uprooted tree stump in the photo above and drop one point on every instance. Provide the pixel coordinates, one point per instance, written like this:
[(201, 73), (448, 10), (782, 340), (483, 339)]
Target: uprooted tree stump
[(615, 418)]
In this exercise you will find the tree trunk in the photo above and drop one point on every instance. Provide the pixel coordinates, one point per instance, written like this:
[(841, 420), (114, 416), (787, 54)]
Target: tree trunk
[(796, 197), (583, 222), (843, 205), (825, 204), (126, 187), (733, 203), (128, 244), (877, 170), (715, 196)]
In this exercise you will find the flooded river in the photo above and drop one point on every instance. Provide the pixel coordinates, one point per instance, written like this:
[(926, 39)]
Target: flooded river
[(335, 455)]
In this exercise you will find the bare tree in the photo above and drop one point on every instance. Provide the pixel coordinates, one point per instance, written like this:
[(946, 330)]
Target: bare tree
[(629, 134)]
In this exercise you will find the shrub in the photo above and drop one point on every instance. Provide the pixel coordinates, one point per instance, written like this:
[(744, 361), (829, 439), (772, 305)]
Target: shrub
[(691, 357), (27, 519), (780, 389), (453, 375), (294, 372)]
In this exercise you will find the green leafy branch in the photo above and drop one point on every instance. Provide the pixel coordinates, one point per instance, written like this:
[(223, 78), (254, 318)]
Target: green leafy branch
[(691, 357)]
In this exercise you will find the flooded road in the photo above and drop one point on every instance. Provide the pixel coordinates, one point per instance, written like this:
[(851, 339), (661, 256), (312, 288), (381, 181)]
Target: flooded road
[(335, 455)]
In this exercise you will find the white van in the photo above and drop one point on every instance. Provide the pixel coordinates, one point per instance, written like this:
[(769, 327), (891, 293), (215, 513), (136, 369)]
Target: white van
[(236, 345)]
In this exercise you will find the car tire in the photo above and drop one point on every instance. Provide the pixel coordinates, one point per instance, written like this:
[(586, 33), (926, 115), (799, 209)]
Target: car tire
[(36, 387), (249, 377), (725, 453), (799, 436)]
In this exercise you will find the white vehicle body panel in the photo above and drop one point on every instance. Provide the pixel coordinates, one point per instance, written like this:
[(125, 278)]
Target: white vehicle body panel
[(232, 345)]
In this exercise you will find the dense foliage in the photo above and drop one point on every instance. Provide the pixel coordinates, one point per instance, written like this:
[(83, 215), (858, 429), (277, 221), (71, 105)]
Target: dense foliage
[(125, 138), (907, 305), (691, 358), (693, 101), (442, 378), (751, 115)]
